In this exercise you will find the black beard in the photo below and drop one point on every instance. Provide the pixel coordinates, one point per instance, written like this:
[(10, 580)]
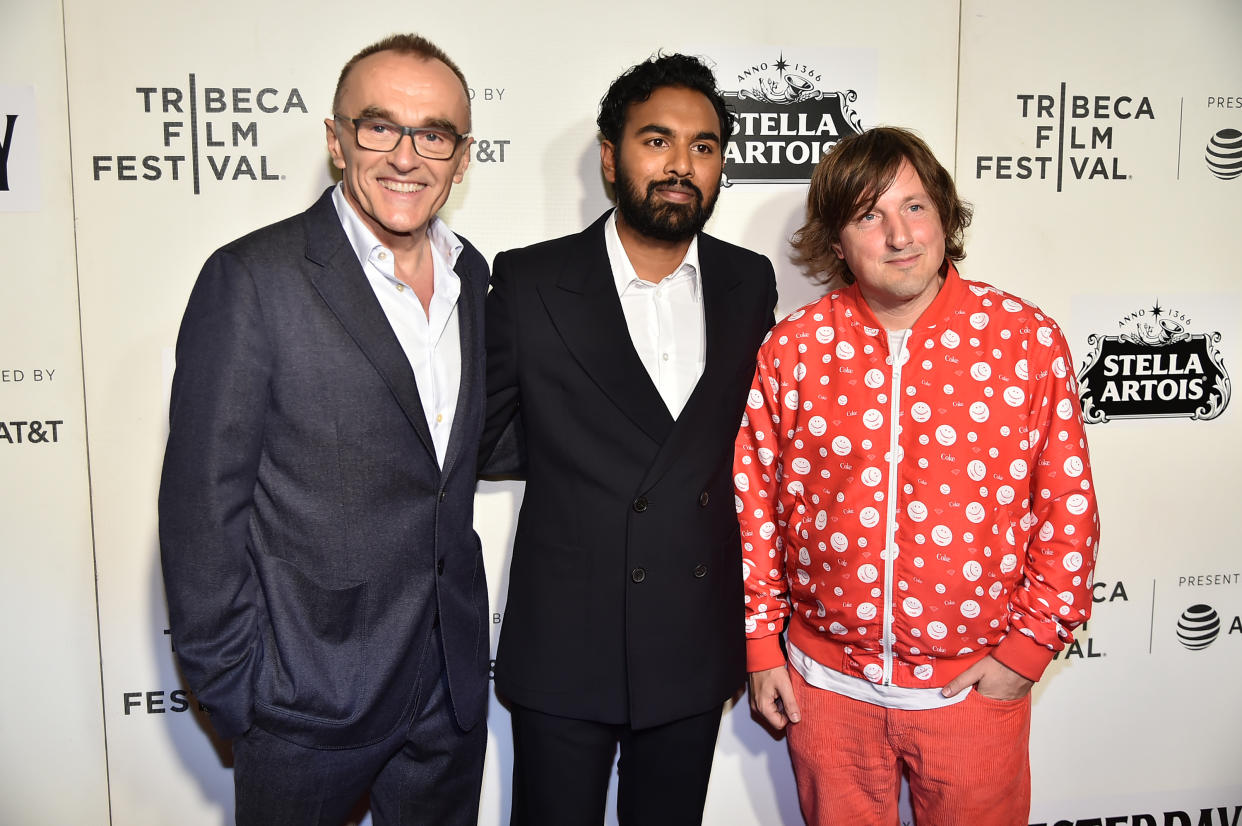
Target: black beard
[(656, 218)]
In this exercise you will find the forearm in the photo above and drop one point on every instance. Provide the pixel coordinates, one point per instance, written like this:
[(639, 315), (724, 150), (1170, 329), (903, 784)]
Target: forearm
[(215, 439)]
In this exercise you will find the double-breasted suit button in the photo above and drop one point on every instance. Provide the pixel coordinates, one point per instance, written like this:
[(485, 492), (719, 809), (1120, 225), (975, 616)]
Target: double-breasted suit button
[(638, 574), (700, 571), (640, 505), (704, 499), (440, 567)]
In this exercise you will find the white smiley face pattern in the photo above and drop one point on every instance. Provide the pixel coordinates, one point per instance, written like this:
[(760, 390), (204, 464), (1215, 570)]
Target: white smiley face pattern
[(906, 508)]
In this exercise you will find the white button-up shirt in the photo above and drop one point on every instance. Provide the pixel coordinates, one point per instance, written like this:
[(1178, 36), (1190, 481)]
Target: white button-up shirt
[(665, 319), (432, 339)]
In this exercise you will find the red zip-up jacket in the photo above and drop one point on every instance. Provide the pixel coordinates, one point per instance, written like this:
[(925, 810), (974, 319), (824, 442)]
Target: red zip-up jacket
[(965, 457)]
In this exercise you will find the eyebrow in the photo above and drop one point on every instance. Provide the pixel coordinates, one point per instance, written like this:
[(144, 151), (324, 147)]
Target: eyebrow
[(868, 204), (379, 113), (375, 112), (706, 135)]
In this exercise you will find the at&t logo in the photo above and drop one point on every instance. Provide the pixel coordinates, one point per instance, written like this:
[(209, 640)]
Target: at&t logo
[(1200, 625), (1224, 154)]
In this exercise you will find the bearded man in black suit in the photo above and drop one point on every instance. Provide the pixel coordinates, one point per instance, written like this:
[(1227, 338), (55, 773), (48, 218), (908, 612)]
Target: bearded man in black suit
[(627, 350)]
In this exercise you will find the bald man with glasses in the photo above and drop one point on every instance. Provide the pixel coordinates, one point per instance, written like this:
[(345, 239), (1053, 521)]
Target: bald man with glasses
[(325, 587)]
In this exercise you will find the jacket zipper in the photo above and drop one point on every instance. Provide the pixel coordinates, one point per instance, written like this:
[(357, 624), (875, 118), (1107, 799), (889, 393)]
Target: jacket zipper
[(890, 529)]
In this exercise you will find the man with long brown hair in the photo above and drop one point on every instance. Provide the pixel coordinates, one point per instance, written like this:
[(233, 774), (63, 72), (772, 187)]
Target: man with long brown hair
[(916, 506)]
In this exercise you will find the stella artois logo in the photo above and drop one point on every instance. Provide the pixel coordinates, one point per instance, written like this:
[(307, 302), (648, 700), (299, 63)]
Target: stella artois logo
[(1154, 368), (788, 117)]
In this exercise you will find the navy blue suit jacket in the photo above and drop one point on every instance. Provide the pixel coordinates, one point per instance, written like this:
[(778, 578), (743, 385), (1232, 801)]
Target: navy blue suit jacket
[(309, 538)]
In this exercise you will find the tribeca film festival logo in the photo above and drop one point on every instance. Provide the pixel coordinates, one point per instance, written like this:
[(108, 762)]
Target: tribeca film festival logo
[(161, 701), (1083, 647), (205, 133), (1073, 137), (1155, 368), (785, 123)]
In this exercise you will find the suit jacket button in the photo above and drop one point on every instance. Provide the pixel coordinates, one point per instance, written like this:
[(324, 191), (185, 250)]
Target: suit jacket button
[(700, 571), (440, 567), (443, 495), (703, 499), (640, 505), (638, 574)]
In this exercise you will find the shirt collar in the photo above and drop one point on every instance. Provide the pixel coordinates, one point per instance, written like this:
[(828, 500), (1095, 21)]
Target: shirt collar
[(365, 244), (623, 273)]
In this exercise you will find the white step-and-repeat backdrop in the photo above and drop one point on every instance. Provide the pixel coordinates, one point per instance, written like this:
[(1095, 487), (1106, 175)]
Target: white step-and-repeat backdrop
[(1100, 142)]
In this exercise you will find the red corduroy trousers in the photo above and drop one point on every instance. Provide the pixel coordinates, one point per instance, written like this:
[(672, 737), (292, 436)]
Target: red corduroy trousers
[(968, 764)]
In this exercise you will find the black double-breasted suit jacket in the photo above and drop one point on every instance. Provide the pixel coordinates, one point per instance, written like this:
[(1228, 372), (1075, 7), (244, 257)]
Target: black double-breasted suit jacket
[(625, 597), (311, 542)]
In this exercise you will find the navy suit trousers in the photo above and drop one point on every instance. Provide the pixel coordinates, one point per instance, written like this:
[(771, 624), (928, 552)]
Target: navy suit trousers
[(429, 771)]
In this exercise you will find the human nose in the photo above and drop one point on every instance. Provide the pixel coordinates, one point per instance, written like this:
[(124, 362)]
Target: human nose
[(678, 161), (899, 232), (403, 155)]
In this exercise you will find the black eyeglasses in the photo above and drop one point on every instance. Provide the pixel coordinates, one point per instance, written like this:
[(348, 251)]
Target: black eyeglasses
[(379, 135)]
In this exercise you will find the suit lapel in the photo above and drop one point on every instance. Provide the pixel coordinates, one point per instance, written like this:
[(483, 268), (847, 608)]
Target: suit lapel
[(721, 317), (340, 281), (585, 308)]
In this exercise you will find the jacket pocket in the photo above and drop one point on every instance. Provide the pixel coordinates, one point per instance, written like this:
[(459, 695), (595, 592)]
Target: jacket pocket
[(316, 643)]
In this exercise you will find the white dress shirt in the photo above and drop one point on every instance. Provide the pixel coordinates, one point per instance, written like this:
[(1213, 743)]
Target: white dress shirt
[(432, 339), (665, 319)]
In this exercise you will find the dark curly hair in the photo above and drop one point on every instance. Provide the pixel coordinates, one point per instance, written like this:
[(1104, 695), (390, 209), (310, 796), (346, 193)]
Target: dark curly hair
[(637, 84), (851, 178)]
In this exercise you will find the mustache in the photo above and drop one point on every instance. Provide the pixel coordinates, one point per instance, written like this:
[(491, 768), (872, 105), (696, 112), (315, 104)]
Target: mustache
[(683, 184)]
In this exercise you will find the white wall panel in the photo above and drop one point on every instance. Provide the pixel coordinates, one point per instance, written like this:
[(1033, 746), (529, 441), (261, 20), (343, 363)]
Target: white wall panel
[(129, 99)]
